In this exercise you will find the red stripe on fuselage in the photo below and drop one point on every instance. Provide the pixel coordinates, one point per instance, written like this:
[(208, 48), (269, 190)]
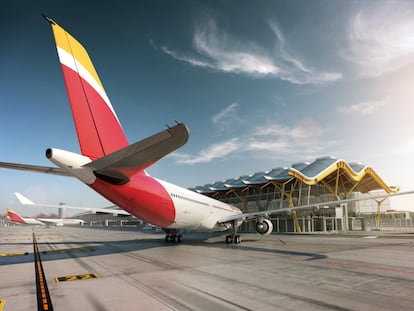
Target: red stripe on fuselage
[(98, 129), (144, 197)]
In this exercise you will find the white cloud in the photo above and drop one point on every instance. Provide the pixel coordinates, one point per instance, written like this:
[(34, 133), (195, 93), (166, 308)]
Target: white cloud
[(293, 69), (229, 110), (213, 152), (364, 108), (226, 54), (404, 149), (184, 58), (221, 51), (269, 145), (305, 129), (302, 140), (381, 37)]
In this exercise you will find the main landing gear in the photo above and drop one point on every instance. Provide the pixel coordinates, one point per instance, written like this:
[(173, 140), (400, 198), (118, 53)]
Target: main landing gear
[(233, 238), (173, 237)]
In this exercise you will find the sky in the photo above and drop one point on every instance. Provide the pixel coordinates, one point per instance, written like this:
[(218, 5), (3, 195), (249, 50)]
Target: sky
[(260, 84)]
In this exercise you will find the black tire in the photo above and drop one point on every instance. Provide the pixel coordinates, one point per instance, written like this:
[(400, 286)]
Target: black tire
[(229, 239), (237, 239)]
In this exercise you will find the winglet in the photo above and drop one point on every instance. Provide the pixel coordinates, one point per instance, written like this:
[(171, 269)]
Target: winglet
[(48, 19), (23, 200)]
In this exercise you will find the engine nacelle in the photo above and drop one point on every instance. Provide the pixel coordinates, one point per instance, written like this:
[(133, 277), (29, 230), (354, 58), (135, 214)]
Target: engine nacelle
[(72, 163), (264, 226)]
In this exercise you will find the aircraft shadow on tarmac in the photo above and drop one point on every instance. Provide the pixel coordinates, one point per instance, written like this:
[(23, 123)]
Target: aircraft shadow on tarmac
[(258, 249), (59, 250)]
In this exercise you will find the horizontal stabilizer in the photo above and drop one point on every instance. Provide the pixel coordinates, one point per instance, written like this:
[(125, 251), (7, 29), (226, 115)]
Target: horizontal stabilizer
[(35, 168), (117, 167)]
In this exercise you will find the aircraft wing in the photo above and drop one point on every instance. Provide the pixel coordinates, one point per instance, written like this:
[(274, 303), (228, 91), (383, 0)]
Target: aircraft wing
[(35, 168), (314, 206), (25, 201)]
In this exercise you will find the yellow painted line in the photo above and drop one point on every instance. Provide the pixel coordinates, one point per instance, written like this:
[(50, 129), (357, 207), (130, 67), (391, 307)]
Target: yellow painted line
[(74, 250), (14, 254), (44, 302), (76, 277), (2, 303)]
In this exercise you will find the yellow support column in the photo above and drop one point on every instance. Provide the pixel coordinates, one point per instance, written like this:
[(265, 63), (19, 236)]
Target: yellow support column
[(378, 216), (295, 218)]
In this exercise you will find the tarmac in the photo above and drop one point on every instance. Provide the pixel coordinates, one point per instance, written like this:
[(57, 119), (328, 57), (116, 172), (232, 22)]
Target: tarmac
[(82, 268)]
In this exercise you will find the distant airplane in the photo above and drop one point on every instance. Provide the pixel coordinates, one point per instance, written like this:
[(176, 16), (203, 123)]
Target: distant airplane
[(116, 169), (25, 201), (14, 217)]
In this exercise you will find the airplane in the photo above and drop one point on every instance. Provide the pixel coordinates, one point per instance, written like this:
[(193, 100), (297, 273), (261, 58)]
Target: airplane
[(25, 201), (117, 170), (14, 217)]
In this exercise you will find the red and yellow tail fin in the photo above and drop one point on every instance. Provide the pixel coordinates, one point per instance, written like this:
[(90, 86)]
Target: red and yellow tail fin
[(14, 217), (98, 128)]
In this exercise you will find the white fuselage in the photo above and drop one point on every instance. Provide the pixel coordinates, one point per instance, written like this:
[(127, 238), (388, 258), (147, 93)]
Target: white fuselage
[(61, 221), (187, 209), (197, 212)]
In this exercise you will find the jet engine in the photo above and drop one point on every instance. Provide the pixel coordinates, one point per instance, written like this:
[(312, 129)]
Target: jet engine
[(264, 226)]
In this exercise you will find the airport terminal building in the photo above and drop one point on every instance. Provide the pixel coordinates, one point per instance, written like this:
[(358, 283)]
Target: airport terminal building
[(325, 179)]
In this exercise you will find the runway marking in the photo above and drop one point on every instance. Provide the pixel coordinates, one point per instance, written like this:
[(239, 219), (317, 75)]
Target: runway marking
[(76, 277), (44, 303), (14, 254), (2, 303), (63, 251), (17, 239)]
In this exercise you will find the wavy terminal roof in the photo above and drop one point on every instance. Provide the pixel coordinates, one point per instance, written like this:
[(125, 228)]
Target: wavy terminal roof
[(329, 171)]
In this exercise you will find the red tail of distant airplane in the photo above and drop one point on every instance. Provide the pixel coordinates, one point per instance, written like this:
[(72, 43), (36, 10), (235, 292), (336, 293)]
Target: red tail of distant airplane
[(14, 217)]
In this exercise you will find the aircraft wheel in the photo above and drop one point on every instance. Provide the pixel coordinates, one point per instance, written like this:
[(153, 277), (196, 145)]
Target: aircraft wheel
[(229, 239), (237, 239)]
